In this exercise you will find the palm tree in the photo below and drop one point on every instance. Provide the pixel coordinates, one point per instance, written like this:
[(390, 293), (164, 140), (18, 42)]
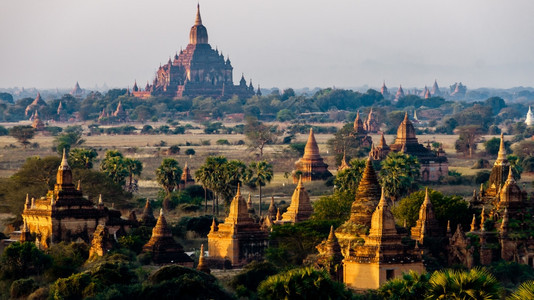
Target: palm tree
[(398, 173), (214, 172), (113, 166), (168, 175), (348, 180), (82, 158), (258, 175), (304, 283), (411, 285), (202, 175), (134, 167), (477, 283), (525, 291)]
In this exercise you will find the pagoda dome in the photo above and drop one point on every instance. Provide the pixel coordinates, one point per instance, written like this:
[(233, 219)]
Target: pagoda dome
[(199, 33)]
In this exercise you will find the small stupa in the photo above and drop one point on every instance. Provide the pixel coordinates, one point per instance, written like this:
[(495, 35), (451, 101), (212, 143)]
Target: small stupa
[(311, 166)]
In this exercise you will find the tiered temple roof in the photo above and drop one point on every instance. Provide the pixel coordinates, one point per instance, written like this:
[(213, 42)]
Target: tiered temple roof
[(186, 178), (65, 215), (198, 70), (499, 172), (433, 165), (239, 239), (367, 197), (311, 165), (37, 104), (163, 247), (427, 225), (383, 253), (300, 208)]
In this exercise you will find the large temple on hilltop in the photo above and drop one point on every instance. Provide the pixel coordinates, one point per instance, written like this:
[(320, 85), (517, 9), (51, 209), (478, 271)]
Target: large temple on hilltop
[(65, 215), (198, 70), (239, 239), (433, 165), (311, 166)]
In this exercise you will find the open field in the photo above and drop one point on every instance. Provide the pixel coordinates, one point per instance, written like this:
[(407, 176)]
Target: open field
[(143, 147)]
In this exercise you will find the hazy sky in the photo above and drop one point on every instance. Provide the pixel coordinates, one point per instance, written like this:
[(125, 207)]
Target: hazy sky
[(283, 43)]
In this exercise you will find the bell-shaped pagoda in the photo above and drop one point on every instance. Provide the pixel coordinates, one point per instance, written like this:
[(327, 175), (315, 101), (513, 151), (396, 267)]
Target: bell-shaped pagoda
[(311, 166)]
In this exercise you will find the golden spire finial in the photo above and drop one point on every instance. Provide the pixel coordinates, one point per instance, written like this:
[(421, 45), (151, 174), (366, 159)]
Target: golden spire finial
[(64, 162), (502, 150), (198, 20), (510, 174), (161, 212), (331, 235), (473, 223), (278, 216), (238, 193), (448, 226), (100, 202), (383, 202)]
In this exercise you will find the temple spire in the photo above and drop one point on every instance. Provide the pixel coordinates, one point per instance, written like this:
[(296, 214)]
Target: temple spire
[(198, 20), (502, 151), (201, 263), (64, 173)]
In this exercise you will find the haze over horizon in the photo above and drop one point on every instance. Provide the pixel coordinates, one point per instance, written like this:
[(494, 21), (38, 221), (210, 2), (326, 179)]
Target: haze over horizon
[(346, 43)]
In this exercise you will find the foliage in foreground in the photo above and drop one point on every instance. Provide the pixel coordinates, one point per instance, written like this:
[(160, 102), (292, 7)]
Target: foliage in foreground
[(306, 283)]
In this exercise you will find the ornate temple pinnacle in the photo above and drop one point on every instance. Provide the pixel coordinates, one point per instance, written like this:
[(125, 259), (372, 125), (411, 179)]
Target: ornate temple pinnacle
[(331, 236), (161, 212), (100, 202), (502, 150), (198, 20), (64, 164)]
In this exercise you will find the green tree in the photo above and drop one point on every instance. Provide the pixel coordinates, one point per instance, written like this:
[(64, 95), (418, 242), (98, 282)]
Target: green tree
[(35, 177), (348, 179), (21, 260), (468, 138), (398, 174), (114, 166), (134, 167), (290, 244), (517, 168), (247, 281), (492, 146), (474, 284), (22, 133), (285, 115), (446, 208), (259, 135), (306, 283), (71, 137), (82, 158), (258, 175), (334, 207), (411, 286), (168, 175)]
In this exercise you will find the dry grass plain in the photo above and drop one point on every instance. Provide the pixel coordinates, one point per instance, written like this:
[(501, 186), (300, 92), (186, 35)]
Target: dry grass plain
[(143, 147)]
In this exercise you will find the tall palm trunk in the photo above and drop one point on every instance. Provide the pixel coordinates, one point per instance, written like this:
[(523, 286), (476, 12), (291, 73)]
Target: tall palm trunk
[(259, 210), (205, 200)]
